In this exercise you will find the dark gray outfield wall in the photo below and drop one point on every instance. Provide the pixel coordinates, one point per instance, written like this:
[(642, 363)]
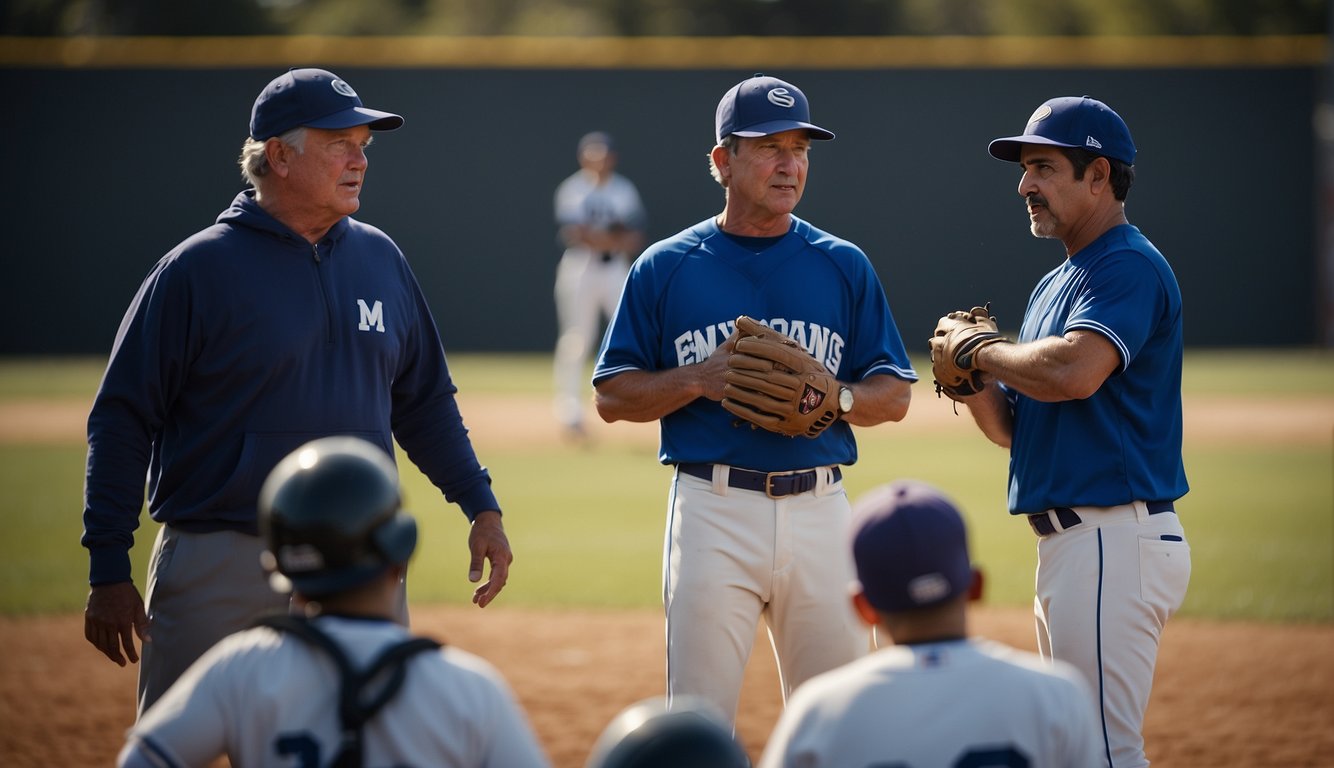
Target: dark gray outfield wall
[(106, 170)]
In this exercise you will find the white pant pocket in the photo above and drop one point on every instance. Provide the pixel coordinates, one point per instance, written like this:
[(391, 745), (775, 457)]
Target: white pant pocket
[(1164, 574)]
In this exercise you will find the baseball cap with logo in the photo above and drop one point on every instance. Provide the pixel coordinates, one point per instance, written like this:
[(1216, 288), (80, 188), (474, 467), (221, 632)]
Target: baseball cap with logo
[(1071, 121), (314, 98), (762, 105), (910, 547)]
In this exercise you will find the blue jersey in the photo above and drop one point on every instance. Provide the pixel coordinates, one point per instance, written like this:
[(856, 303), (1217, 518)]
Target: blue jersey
[(1123, 443), (682, 299)]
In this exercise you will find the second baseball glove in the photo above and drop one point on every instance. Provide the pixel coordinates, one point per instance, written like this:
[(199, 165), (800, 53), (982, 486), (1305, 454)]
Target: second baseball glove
[(773, 383), (958, 337)]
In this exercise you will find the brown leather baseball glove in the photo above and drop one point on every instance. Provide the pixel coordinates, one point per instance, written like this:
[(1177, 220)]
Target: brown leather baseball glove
[(773, 383), (958, 337)]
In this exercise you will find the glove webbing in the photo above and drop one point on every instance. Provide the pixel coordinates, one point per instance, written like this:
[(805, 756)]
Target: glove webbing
[(353, 713)]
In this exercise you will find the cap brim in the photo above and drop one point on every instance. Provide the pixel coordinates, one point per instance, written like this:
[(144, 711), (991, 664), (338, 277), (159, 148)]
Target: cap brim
[(354, 116), (778, 126), (1010, 147)]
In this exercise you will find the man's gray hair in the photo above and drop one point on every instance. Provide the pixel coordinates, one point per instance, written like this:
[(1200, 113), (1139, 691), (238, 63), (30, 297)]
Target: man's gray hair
[(255, 163)]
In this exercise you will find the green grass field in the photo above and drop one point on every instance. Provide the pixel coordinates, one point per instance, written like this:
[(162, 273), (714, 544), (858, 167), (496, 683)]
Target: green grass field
[(586, 524)]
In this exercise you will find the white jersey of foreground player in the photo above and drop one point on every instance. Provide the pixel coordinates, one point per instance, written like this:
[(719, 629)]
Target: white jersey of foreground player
[(268, 698), (939, 705)]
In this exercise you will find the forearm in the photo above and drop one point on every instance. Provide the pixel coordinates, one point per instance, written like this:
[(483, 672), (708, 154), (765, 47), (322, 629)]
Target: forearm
[(990, 409), (1054, 369), (117, 465), (878, 399), (436, 441), (647, 396)]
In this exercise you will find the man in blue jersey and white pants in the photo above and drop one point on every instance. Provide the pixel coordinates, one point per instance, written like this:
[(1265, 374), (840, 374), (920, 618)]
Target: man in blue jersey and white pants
[(1089, 403), (756, 521)]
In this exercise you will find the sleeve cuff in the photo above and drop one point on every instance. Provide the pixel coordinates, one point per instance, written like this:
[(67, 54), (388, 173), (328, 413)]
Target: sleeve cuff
[(108, 566), (478, 499)]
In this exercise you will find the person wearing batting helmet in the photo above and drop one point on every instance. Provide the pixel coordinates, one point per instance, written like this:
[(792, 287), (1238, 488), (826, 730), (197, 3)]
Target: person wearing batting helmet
[(691, 733), (340, 682)]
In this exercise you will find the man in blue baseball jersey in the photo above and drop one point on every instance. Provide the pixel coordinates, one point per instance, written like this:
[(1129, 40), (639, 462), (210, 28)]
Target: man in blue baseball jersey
[(756, 521), (1089, 403), (284, 321)]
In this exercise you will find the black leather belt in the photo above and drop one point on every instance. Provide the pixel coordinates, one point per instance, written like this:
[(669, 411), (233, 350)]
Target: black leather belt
[(775, 485), (1042, 526)]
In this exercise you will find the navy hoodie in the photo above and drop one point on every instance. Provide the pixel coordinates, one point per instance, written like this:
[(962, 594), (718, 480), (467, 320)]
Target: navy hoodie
[(246, 341)]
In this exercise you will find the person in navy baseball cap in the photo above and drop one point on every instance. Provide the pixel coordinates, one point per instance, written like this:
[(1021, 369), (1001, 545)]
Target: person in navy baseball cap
[(283, 288), (314, 98), (950, 696), (1100, 347), (1071, 121), (910, 548), (732, 462), (760, 106)]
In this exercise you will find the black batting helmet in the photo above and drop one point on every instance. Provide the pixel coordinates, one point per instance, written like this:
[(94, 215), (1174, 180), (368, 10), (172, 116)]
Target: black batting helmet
[(649, 734), (331, 516)]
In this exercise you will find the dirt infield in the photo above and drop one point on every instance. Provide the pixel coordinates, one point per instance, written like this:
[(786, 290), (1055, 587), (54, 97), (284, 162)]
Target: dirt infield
[(1226, 694)]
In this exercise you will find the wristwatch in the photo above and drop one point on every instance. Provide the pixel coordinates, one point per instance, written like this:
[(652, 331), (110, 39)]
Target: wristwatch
[(844, 399)]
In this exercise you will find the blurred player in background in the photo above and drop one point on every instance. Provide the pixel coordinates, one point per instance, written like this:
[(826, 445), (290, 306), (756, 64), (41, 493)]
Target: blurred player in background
[(601, 226)]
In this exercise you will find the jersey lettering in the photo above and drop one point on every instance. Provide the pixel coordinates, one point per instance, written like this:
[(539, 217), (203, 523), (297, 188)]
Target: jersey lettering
[(371, 317), (695, 346), (822, 343)]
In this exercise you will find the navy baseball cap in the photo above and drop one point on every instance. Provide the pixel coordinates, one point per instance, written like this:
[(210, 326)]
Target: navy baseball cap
[(910, 547), (314, 98), (1072, 121), (762, 105)]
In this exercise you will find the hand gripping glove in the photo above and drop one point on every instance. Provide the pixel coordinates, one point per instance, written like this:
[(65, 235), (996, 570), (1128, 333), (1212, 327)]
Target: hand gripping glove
[(773, 383), (958, 337)]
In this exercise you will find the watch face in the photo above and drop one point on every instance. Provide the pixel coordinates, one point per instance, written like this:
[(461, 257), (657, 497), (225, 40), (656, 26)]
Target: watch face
[(845, 399)]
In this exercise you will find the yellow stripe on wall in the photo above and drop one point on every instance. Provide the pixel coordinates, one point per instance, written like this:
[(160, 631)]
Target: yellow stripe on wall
[(841, 53)]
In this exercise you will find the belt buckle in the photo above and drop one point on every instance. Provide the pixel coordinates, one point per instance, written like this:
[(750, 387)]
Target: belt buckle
[(769, 483)]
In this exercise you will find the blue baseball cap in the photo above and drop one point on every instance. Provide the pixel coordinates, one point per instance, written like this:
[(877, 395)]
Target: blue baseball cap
[(910, 547), (314, 98), (760, 106), (1072, 121)]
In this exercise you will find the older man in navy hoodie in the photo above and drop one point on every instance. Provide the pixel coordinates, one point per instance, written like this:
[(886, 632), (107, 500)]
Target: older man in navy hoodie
[(285, 321)]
